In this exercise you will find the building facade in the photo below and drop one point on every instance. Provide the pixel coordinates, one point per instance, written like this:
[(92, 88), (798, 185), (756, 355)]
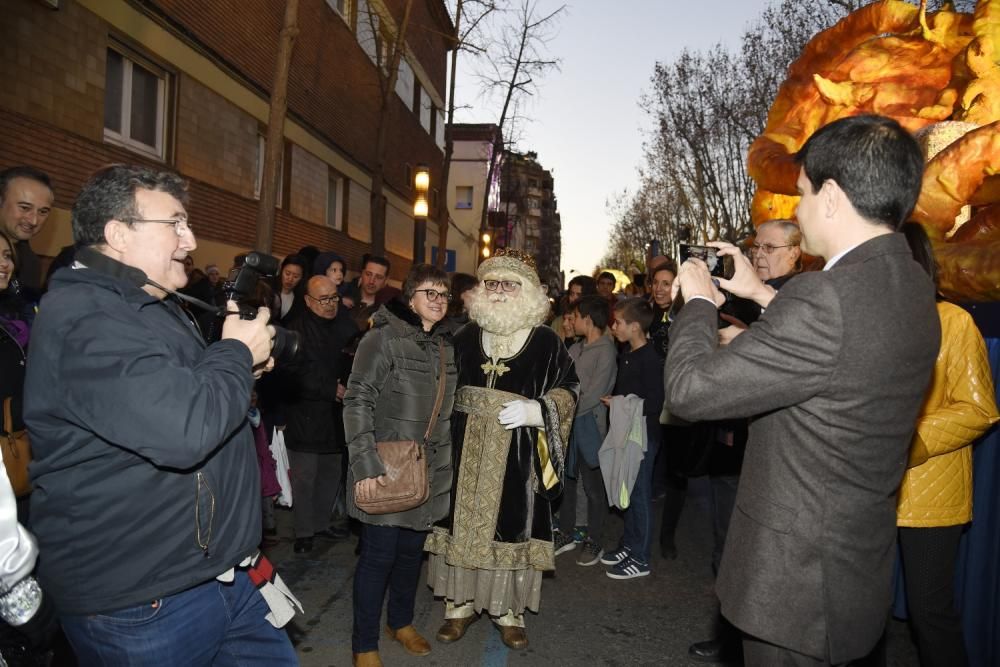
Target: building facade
[(529, 218), (185, 85), (475, 146)]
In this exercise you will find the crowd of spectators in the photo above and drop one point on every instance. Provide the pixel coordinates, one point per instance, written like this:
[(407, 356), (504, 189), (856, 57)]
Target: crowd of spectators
[(135, 380)]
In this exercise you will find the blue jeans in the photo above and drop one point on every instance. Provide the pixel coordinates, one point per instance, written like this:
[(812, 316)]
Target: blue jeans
[(639, 515), (390, 558), (211, 624)]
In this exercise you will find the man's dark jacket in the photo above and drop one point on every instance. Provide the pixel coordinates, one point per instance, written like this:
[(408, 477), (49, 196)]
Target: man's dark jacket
[(314, 419), (145, 471), (834, 372)]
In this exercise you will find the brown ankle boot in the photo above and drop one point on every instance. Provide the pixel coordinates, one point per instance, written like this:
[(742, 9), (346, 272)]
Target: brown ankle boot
[(411, 640), (514, 637), (367, 659), (454, 628)]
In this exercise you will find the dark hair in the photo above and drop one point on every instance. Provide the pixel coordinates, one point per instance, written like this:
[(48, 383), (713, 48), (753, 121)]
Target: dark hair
[(13, 250), (876, 162), (587, 285), (419, 274), (460, 284), (297, 260), (8, 175), (604, 275), (324, 260), (375, 259), (663, 265), (635, 309), (595, 307), (923, 251), (308, 253), (110, 195)]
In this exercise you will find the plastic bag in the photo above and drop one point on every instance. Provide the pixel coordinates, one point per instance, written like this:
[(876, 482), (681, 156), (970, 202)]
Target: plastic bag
[(280, 455)]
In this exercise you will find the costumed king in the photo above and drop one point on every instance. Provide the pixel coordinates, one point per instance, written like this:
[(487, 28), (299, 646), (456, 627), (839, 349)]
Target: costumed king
[(513, 411)]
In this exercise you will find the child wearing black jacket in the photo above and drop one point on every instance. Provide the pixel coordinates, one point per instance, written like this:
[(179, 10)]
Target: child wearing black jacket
[(640, 372)]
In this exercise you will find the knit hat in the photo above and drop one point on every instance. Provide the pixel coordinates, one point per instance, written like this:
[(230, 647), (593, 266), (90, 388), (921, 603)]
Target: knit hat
[(324, 260)]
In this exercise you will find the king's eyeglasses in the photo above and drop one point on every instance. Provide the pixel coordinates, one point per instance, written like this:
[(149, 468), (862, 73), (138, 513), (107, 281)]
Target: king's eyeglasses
[(181, 225), (767, 247), (433, 294), (505, 285), (325, 300)]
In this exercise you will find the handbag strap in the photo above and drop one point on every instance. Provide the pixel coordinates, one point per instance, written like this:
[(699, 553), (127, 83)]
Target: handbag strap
[(8, 417), (439, 399)]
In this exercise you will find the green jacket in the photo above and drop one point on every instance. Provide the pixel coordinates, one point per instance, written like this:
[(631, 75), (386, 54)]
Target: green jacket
[(390, 395)]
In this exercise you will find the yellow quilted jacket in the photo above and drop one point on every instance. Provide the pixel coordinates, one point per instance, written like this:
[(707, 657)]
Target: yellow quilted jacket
[(959, 407)]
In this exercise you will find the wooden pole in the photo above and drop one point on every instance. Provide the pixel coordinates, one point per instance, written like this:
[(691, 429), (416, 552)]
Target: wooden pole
[(276, 129)]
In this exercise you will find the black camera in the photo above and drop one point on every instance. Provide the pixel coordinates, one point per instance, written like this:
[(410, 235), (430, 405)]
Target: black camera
[(241, 286), (720, 266)]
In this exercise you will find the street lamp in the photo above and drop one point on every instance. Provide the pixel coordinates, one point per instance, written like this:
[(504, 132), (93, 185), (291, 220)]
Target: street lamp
[(421, 184)]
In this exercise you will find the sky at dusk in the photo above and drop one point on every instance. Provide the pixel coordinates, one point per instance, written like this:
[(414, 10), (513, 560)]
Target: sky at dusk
[(588, 125)]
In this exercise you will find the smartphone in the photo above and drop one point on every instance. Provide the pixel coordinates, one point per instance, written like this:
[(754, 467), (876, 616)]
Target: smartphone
[(720, 266)]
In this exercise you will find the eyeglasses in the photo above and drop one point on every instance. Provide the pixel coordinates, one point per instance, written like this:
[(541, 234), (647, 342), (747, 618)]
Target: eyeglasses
[(181, 225), (505, 285), (325, 300), (433, 294), (767, 247)]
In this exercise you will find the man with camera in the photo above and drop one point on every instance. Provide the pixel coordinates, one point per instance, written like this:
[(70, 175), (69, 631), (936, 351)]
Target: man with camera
[(833, 373), (147, 499)]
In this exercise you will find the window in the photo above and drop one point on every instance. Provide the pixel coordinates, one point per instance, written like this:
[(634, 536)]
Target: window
[(408, 176), (426, 109), (336, 196), (439, 130), (405, 82), (135, 103), (368, 31), (342, 7), (463, 196)]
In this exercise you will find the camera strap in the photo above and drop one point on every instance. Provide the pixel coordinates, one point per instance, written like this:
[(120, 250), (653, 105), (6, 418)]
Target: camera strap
[(100, 262)]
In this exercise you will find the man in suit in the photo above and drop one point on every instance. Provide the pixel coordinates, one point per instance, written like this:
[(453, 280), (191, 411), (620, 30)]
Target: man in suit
[(833, 373)]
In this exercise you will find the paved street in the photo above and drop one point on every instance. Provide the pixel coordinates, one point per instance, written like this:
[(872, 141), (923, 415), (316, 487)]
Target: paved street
[(586, 618)]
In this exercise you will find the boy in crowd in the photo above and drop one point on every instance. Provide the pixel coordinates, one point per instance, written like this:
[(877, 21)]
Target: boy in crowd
[(594, 357), (640, 372)]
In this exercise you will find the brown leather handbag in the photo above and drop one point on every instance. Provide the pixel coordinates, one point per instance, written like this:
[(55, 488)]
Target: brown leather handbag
[(405, 461), (16, 452)]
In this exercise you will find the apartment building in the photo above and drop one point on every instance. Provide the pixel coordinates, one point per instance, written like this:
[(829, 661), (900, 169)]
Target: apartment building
[(529, 219), (185, 85)]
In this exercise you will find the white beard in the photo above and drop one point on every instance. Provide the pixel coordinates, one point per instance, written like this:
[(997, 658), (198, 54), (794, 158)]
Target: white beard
[(503, 314), (506, 319)]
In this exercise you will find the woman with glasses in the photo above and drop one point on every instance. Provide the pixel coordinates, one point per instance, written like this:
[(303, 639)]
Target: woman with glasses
[(390, 396)]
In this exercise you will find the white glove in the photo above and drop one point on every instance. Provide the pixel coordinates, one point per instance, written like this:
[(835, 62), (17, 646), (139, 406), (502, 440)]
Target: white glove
[(521, 413)]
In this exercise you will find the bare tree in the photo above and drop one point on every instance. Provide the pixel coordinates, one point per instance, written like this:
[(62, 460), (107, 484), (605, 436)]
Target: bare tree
[(276, 129), (707, 106), (469, 17), (515, 61), (385, 45)]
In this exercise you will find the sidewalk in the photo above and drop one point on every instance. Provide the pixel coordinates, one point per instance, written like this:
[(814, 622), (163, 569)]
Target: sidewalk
[(586, 618)]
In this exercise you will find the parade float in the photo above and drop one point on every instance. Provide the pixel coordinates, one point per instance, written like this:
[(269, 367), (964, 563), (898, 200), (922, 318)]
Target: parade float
[(937, 74)]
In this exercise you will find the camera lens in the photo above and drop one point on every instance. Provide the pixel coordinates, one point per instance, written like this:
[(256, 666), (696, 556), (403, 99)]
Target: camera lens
[(284, 345)]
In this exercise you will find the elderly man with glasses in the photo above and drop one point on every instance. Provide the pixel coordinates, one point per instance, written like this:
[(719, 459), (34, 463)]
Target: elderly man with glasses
[(513, 411), (312, 388)]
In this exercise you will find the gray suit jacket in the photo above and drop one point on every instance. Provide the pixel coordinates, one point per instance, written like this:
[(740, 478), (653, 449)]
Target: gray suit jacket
[(833, 373)]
